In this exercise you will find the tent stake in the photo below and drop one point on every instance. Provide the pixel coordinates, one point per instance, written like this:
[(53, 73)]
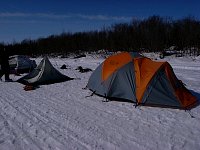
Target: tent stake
[(189, 112)]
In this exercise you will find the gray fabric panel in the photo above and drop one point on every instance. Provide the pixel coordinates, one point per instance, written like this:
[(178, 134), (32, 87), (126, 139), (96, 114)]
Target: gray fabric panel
[(120, 84), (95, 81), (28, 76), (32, 74), (160, 91), (123, 83), (51, 74)]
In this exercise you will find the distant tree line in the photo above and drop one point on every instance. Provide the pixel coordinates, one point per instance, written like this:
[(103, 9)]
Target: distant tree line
[(152, 34)]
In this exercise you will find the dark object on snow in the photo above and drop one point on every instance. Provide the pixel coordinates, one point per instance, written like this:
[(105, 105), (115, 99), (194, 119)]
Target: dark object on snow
[(63, 67), (5, 68), (82, 70), (79, 56), (162, 56), (30, 87)]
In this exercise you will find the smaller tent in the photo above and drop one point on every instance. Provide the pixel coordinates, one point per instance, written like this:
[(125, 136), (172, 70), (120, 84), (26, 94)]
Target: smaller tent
[(21, 64), (44, 73)]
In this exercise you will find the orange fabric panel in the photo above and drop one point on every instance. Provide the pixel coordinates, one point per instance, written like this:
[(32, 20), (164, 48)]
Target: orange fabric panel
[(144, 71), (185, 98), (112, 63)]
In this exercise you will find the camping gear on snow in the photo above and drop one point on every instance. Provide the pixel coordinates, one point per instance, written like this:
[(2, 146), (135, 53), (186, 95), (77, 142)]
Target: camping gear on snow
[(30, 87), (130, 76), (44, 73), (63, 67), (83, 70), (21, 64)]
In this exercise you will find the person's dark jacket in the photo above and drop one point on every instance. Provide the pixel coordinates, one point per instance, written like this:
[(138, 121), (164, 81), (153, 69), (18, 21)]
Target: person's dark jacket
[(4, 60)]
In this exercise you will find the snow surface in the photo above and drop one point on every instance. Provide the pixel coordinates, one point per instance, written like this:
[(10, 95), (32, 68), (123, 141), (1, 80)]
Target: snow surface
[(61, 117)]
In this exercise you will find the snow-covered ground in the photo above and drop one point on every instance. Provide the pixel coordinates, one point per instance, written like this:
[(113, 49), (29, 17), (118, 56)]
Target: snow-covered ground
[(61, 117)]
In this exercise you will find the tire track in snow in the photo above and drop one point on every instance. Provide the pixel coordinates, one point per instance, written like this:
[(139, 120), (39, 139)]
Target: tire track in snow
[(108, 118), (105, 123), (77, 123), (80, 121), (35, 110), (84, 114), (15, 128), (43, 122)]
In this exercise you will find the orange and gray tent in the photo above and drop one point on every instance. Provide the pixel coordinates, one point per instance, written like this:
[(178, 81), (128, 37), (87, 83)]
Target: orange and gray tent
[(132, 77)]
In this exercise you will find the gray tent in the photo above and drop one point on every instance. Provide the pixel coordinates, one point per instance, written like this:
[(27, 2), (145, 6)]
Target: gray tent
[(21, 64), (44, 73)]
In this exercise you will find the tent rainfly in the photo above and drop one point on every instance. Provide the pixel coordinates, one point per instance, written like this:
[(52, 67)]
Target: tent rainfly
[(44, 73), (130, 76)]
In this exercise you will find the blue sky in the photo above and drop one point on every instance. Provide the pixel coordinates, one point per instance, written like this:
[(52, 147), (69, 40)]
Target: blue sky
[(32, 19)]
